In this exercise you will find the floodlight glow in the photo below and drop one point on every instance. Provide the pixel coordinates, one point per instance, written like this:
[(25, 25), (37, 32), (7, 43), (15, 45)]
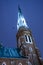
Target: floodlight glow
[(21, 21)]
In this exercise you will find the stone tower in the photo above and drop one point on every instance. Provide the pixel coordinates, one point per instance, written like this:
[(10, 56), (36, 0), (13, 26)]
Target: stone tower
[(25, 41)]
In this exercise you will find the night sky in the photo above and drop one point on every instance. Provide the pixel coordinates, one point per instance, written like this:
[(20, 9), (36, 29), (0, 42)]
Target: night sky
[(33, 13)]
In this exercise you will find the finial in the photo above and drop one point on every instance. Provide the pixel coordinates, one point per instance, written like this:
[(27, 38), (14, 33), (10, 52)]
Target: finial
[(19, 9)]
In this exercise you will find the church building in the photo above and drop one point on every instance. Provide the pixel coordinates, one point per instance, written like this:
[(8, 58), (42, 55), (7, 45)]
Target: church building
[(26, 52)]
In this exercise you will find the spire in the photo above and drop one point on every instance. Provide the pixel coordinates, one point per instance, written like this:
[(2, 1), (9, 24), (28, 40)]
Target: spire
[(21, 20)]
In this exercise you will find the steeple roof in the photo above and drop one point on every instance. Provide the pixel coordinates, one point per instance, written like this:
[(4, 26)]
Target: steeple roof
[(21, 22)]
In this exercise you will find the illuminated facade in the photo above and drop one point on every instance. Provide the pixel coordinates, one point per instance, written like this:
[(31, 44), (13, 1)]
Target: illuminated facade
[(26, 52)]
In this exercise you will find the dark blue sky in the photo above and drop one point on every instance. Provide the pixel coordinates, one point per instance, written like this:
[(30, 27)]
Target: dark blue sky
[(33, 13)]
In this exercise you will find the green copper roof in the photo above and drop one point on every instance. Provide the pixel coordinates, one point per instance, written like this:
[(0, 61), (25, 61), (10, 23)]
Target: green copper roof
[(9, 52)]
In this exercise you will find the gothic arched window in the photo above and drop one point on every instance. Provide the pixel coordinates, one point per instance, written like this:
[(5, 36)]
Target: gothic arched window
[(4, 63), (28, 39)]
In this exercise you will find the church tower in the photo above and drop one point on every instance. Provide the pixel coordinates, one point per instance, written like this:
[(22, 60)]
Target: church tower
[(26, 52), (25, 41)]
